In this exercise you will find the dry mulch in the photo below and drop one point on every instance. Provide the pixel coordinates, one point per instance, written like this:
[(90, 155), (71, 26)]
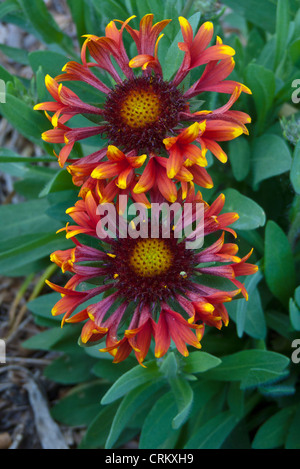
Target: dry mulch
[(25, 394)]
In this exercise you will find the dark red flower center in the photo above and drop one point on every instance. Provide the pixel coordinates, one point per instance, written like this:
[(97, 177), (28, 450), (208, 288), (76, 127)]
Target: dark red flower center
[(150, 269), (140, 112)]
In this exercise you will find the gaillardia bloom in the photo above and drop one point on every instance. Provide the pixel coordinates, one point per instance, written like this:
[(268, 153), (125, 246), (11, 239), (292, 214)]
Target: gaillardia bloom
[(141, 111), (138, 287)]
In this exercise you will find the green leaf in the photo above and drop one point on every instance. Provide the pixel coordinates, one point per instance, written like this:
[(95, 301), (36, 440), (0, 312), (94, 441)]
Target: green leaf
[(184, 396), (50, 61), (25, 218), (249, 315), (276, 390), (7, 7), (157, 429), (105, 368), (29, 249), (5, 75), (59, 202), (28, 122), (254, 239), (17, 17), (34, 180), (98, 429), (221, 283), (255, 43), (44, 340), (237, 366), (42, 305), (130, 380), (156, 7), (263, 17), (16, 54), (209, 401), (239, 156), (295, 169), (85, 398), (279, 263), (260, 376), (294, 52), (169, 366), (282, 29), (27, 234), (43, 22), (22, 159), (55, 338), (251, 215), (271, 156), (213, 434), (261, 81), (272, 433), (129, 405), (250, 283), (70, 369), (294, 310), (143, 8), (297, 296), (280, 323), (61, 181), (293, 441), (236, 399), (105, 8), (78, 15), (205, 392), (199, 362), (267, 56), (252, 10)]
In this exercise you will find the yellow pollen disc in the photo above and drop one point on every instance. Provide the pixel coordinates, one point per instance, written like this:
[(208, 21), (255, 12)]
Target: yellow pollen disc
[(151, 257), (140, 108)]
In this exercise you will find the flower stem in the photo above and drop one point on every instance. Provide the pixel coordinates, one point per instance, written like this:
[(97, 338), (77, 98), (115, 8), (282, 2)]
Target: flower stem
[(187, 7)]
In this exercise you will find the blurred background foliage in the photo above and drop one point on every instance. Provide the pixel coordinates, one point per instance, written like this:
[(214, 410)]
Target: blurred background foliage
[(242, 390)]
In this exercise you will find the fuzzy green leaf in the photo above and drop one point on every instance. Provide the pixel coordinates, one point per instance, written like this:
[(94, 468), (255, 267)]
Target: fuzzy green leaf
[(237, 366), (293, 440), (279, 263), (129, 405), (70, 369), (294, 310), (272, 433), (212, 434), (85, 398), (199, 362), (295, 169), (271, 156), (239, 156), (43, 22), (157, 430), (28, 122), (282, 29), (261, 82), (130, 380), (184, 396), (251, 215)]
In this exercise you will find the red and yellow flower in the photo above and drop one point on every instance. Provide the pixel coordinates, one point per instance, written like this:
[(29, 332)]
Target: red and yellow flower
[(153, 285), (142, 112)]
